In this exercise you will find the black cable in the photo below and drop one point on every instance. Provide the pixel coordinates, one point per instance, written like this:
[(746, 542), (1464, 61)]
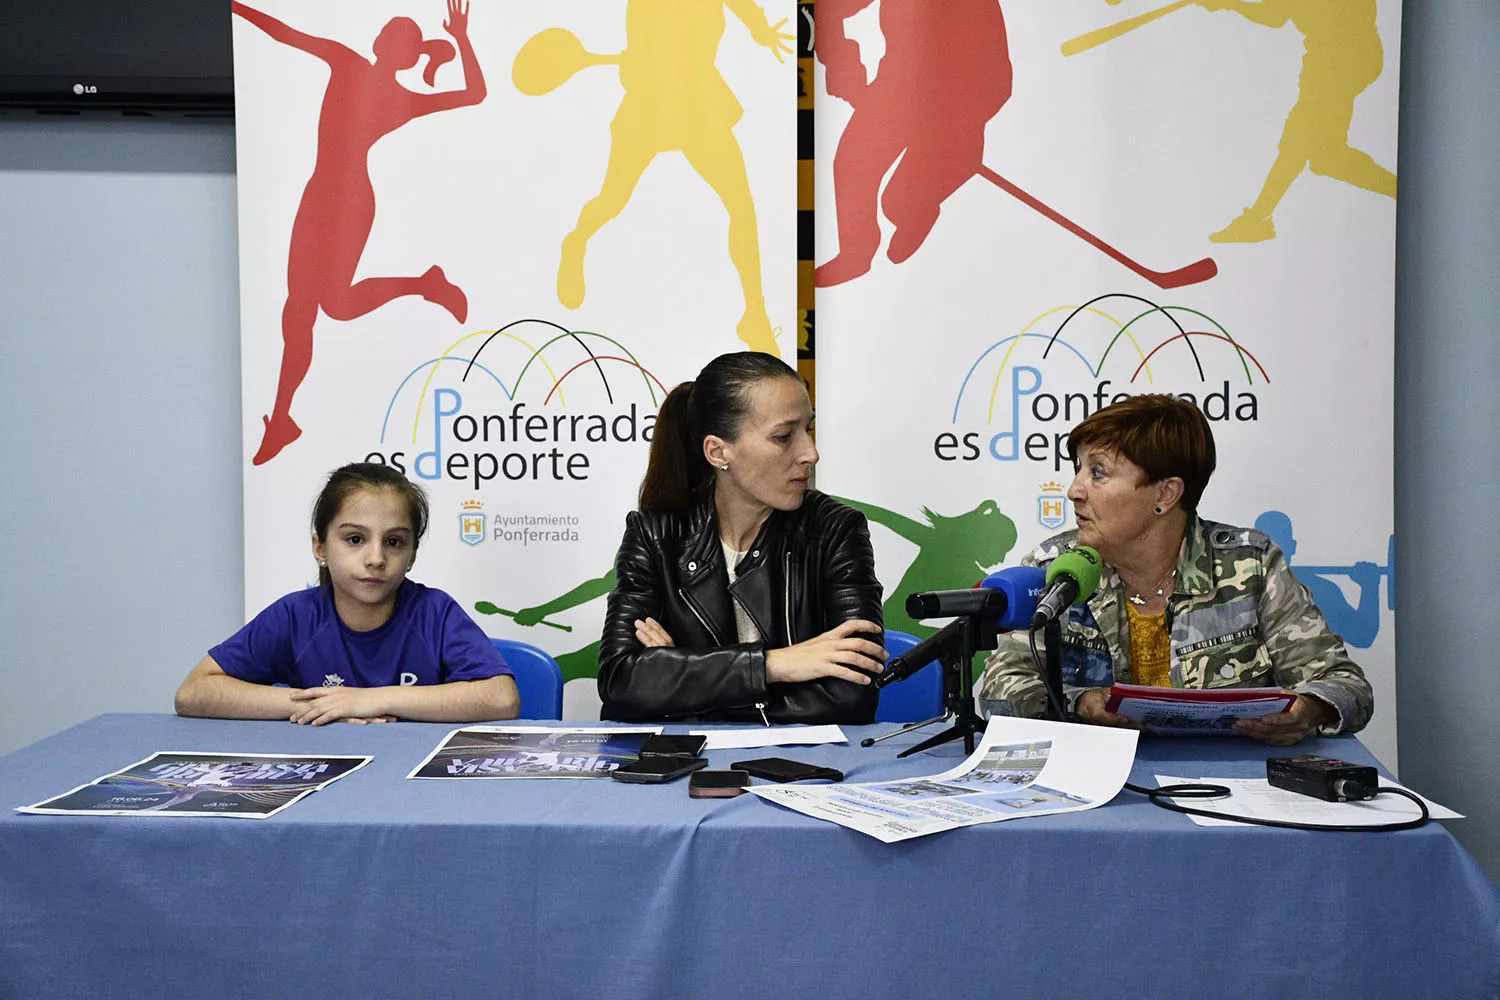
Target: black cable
[(1054, 698), (1200, 790), (1195, 790)]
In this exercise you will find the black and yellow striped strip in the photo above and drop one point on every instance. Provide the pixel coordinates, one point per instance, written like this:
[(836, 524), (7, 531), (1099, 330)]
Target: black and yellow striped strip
[(806, 329)]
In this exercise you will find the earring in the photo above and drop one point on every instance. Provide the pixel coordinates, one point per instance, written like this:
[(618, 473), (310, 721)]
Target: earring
[(725, 466), (1158, 510)]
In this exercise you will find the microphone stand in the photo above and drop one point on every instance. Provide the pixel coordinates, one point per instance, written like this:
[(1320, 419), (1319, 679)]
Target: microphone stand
[(1052, 635), (964, 638)]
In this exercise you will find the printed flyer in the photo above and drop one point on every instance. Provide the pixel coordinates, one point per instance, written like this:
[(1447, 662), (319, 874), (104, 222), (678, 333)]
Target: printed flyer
[(178, 783), (1181, 712), (1022, 767), (532, 752)]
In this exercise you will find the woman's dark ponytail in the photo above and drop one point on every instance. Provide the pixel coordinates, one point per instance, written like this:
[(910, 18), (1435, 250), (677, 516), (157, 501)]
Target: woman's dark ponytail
[(678, 477), (676, 473)]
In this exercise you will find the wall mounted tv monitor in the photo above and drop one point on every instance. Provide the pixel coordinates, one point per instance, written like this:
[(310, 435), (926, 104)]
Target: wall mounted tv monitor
[(116, 56)]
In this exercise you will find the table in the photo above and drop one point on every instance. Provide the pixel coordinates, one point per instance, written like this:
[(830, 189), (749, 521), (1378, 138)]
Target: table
[(379, 886)]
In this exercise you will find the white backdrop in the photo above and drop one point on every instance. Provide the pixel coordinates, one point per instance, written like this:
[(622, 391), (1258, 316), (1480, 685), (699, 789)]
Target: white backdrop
[(1151, 141), (487, 192)]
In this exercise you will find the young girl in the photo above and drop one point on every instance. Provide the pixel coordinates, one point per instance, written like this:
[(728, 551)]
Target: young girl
[(368, 645)]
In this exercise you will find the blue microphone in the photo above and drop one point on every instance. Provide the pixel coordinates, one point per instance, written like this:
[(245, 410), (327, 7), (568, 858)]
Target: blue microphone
[(1009, 594), (1022, 587)]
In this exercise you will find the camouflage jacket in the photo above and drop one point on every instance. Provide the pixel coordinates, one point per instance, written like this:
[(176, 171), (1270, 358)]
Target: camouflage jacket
[(1237, 618)]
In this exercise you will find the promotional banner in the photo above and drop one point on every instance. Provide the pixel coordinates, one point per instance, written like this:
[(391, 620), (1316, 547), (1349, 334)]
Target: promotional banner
[(1028, 211), (479, 244)]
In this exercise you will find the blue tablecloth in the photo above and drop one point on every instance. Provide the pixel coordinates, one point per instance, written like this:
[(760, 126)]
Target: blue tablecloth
[(383, 887)]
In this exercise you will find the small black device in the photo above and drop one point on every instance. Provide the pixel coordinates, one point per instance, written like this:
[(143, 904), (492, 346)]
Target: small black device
[(673, 745), (1323, 777), (657, 770), (781, 769), (717, 784)]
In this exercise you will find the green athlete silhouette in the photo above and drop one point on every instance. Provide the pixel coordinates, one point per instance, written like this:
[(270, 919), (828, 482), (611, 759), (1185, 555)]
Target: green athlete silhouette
[(952, 553)]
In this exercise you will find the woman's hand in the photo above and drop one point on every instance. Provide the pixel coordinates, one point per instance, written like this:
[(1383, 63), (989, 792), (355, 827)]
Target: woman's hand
[(650, 634), (320, 705), (1286, 728), (835, 653), (457, 24), (1090, 708)]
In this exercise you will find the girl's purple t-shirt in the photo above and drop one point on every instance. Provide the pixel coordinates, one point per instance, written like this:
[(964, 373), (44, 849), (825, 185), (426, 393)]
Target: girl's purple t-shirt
[(301, 642)]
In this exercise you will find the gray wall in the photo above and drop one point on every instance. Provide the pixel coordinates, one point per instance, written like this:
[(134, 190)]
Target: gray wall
[(119, 402), (119, 415), (1447, 416)]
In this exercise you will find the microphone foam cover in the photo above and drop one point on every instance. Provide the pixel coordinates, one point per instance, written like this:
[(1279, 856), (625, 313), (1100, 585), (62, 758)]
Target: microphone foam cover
[(1082, 564)]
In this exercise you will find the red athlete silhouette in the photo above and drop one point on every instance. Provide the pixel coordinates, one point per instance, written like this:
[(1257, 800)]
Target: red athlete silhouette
[(946, 72), (363, 102)]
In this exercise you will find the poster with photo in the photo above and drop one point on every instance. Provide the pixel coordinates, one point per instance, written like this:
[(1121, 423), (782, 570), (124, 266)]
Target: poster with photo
[(185, 783), (531, 752)]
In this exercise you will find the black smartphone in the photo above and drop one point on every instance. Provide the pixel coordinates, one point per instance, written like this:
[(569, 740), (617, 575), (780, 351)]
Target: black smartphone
[(781, 769), (656, 770), (673, 745), (717, 784)]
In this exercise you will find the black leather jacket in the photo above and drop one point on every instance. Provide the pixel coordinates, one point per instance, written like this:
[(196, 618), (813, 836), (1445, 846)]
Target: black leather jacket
[(809, 570)]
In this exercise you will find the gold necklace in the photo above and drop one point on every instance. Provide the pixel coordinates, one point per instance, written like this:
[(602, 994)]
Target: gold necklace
[(1135, 598)]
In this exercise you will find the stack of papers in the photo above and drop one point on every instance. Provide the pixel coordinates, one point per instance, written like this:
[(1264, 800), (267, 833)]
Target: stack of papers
[(1180, 712)]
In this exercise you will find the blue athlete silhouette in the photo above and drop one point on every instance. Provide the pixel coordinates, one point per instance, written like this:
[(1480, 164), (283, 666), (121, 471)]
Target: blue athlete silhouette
[(1358, 625)]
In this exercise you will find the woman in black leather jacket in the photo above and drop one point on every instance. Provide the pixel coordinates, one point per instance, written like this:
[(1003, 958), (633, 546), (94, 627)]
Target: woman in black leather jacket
[(740, 594)]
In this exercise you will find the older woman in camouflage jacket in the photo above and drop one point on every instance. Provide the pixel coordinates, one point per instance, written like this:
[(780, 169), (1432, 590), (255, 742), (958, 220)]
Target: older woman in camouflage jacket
[(1182, 602)]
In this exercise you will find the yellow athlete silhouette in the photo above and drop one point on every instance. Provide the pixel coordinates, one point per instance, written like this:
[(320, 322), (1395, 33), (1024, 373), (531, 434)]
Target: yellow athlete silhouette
[(675, 99), (1342, 57)]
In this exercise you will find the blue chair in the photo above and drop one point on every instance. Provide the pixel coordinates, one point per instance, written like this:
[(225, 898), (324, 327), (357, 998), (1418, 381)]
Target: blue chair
[(538, 678), (920, 696)]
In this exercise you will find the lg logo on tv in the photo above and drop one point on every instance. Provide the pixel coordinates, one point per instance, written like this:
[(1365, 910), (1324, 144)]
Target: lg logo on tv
[(84, 88)]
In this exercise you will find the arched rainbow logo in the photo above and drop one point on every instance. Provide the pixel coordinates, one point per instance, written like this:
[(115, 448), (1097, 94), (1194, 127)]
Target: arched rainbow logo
[(541, 367), (1125, 330)]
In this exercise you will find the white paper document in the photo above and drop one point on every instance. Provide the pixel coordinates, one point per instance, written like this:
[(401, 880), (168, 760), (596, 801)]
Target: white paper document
[(1258, 798), (1022, 767), (780, 736)]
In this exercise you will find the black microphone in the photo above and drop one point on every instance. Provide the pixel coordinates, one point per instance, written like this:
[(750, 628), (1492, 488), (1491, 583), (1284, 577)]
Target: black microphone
[(923, 653), (953, 603), (1009, 595)]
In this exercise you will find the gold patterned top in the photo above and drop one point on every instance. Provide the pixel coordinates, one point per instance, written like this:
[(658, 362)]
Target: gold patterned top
[(1150, 649)]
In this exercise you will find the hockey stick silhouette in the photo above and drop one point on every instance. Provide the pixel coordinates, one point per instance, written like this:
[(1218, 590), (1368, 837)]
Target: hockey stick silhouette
[(1192, 274)]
